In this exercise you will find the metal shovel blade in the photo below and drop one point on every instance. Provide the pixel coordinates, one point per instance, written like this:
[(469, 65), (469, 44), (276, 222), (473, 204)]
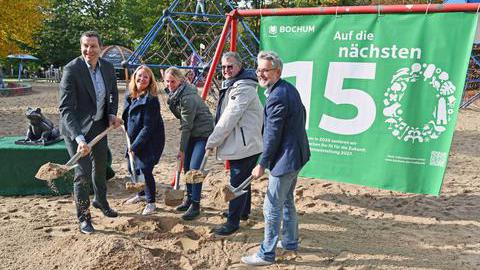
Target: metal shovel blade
[(51, 171), (137, 184), (174, 197), (138, 181), (239, 193), (229, 192)]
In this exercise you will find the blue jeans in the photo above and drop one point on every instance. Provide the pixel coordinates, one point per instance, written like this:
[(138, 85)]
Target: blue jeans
[(193, 158), (279, 202), (240, 170), (150, 188)]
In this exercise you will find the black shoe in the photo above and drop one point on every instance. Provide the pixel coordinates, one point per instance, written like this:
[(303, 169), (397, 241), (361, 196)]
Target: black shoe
[(86, 227), (185, 205), (225, 230), (242, 217), (107, 211), (192, 212)]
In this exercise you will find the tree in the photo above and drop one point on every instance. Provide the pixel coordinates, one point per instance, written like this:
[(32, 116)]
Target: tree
[(18, 21), (58, 40), (119, 22)]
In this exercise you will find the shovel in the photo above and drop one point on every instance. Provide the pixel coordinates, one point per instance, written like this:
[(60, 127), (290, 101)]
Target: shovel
[(174, 197), (230, 193), (197, 176), (138, 181), (50, 171)]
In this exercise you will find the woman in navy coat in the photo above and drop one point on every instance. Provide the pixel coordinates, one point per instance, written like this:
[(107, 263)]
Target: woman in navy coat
[(144, 124)]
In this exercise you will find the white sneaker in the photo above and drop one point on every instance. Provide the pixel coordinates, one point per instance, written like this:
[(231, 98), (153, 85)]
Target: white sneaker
[(255, 260), (136, 199), (149, 209)]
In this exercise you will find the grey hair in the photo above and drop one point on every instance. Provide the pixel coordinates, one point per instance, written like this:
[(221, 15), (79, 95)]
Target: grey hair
[(235, 56), (91, 34), (272, 57)]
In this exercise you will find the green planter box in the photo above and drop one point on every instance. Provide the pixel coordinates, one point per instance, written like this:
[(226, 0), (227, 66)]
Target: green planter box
[(20, 163)]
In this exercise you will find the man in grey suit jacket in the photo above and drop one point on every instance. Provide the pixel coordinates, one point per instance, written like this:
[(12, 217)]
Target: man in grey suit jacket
[(285, 151), (88, 105)]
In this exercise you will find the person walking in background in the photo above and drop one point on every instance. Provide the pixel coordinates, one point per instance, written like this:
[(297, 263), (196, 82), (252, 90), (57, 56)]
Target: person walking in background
[(25, 72), (88, 105), (200, 9), (2, 85), (285, 152), (144, 125), (237, 134), (196, 124)]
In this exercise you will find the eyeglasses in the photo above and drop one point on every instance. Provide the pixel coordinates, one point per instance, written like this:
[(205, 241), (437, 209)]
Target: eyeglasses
[(260, 71), (227, 67)]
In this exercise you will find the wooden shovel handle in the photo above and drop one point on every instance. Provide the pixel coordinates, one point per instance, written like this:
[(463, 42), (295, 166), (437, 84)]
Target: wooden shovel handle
[(204, 160), (95, 140), (177, 174), (131, 158)]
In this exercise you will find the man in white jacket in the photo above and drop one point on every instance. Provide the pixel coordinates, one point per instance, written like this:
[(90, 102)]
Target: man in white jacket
[(237, 134)]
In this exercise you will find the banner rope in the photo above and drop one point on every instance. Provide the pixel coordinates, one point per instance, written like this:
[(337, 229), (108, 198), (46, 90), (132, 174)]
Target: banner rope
[(336, 12), (379, 7), (428, 6)]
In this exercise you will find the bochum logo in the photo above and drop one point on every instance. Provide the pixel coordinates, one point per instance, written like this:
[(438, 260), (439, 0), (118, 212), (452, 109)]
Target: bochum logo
[(274, 30)]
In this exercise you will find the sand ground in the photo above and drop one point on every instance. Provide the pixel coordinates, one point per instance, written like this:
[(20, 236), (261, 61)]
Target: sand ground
[(341, 226)]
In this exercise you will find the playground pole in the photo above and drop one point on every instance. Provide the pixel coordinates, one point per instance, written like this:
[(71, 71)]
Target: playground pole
[(216, 57), (233, 35), (422, 8)]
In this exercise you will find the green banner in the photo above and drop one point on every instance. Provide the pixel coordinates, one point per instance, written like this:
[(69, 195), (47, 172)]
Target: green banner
[(382, 92)]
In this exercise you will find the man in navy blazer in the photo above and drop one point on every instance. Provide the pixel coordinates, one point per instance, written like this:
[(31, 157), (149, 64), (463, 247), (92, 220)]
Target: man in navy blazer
[(285, 151), (88, 105)]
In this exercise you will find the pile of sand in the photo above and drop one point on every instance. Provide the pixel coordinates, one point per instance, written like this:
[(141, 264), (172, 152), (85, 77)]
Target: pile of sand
[(194, 176), (227, 194), (50, 171), (134, 187)]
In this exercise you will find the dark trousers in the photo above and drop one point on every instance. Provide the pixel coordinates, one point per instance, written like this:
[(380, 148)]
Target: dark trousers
[(240, 170), (92, 169), (193, 159), (150, 188)]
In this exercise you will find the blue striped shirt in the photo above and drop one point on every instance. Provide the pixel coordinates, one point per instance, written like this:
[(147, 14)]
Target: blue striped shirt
[(99, 86)]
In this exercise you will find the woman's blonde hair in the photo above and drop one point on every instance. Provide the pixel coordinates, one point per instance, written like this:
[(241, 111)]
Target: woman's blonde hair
[(152, 87), (175, 72)]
